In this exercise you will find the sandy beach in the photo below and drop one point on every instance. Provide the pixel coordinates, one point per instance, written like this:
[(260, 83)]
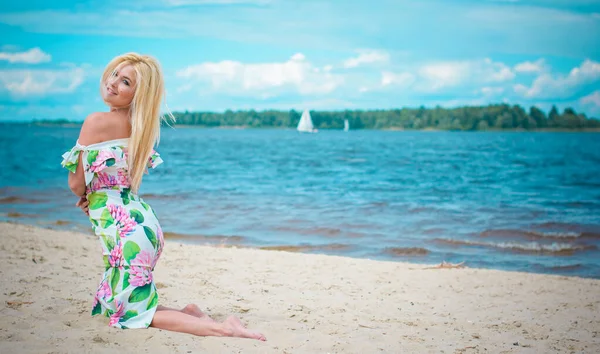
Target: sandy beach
[(303, 303)]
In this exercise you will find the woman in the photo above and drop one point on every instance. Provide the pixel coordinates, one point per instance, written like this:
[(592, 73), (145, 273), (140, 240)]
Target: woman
[(112, 153)]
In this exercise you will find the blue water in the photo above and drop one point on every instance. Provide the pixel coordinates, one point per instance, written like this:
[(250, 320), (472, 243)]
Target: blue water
[(515, 201)]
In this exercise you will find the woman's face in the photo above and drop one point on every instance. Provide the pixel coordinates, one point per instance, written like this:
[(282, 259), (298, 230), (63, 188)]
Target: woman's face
[(119, 88)]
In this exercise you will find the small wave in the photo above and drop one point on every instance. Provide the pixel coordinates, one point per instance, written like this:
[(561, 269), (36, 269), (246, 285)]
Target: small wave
[(211, 239), (537, 235), (352, 160), (20, 215), (557, 249), (567, 267), (559, 235), (320, 231), (406, 251), (418, 210), (18, 200), (160, 196), (308, 248), (434, 231)]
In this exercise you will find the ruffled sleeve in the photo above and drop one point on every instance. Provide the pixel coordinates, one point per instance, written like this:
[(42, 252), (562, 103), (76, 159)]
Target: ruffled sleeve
[(71, 159), (93, 161), (154, 159)]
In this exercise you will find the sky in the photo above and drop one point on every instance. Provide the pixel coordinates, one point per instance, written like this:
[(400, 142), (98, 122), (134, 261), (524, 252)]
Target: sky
[(310, 54)]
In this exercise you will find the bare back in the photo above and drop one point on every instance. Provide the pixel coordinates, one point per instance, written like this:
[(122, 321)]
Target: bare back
[(104, 126)]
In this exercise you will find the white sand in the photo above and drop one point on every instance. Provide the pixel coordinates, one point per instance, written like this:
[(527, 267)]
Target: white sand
[(302, 303)]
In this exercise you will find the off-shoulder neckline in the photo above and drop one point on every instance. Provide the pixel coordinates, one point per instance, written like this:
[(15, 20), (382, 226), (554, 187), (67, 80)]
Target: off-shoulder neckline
[(104, 144)]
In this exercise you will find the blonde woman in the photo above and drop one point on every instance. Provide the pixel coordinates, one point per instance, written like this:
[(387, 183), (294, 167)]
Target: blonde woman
[(106, 165)]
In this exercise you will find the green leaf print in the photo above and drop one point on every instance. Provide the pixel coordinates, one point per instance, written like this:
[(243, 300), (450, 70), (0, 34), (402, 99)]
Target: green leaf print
[(97, 200), (137, 216), (106, 262), (151, 235), (125, 196), (129, 314), (114, 280), (110, 162), (71, 166), (140, 293), (153, 300), (108, 241), (92, 154), (106, 219), (97, 309), (126, 280), (130, 250), (146, 206), (94, 222)]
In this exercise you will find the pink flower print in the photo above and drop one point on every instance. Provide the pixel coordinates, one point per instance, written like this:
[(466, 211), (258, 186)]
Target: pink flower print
[(100, 162), (143, 258), (104, 180), (161, 245), (115, 259), (140, 271), (103, 292), (116, 317), (140, 276), (123, 179), (125, 224)]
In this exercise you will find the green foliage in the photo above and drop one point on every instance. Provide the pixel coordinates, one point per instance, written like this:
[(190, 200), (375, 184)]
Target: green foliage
[(499, 116)]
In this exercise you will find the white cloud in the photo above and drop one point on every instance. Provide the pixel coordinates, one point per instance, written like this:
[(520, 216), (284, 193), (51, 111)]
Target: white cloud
[(367, 57), (531, 67), (41, 82), (402, 79), (215, 2), (264, 79), (443, 75), (592, 100), (436, 76), (549, 86), (31, 56), (491, 91)]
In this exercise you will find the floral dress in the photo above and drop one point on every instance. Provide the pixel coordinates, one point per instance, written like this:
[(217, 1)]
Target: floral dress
[(129, 233)]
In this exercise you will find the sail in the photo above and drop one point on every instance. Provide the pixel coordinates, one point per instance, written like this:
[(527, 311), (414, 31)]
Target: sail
[(306, 124), (346, 125)]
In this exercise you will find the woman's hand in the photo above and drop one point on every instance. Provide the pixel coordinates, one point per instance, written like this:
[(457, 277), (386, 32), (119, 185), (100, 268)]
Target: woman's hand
[(84, 205)]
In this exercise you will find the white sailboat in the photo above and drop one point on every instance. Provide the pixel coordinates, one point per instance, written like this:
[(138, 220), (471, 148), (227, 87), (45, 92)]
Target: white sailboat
[(306, 125), (346, 125)]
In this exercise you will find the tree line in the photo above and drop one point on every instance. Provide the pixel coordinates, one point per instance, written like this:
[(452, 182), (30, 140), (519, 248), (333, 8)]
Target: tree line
[(469, 118), (492, 117)]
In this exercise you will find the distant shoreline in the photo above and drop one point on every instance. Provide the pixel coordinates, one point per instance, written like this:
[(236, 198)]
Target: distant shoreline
[(391, 129)]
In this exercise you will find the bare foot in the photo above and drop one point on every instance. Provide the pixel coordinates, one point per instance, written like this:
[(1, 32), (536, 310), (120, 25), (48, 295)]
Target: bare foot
[(194, 310), (240, 331)]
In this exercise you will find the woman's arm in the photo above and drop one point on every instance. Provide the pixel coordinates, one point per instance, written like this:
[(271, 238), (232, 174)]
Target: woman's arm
[(91, 132), (77, 179)]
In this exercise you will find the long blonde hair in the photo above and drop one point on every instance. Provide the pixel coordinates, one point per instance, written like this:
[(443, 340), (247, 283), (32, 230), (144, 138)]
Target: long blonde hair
[(144, 110)]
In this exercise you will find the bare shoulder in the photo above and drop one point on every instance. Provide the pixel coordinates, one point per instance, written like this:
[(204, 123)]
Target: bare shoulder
[(101, 126)]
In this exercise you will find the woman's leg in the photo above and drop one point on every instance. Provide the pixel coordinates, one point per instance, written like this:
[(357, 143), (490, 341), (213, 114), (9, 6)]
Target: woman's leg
[(177, 321), (190, 309)]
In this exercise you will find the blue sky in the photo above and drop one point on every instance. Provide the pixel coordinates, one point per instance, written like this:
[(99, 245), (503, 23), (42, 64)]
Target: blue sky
[(323, 55)]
